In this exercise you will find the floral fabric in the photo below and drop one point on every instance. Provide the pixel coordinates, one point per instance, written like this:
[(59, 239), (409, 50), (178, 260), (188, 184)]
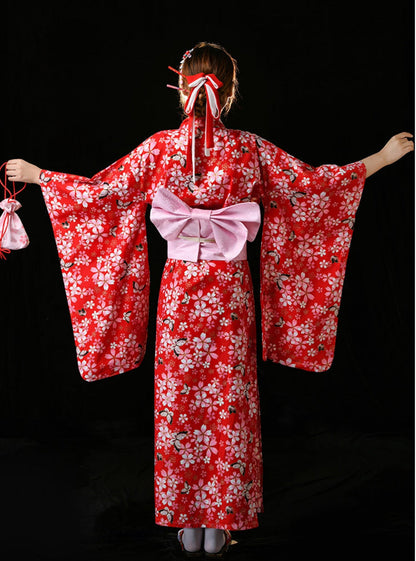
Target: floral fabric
[(208, 462)]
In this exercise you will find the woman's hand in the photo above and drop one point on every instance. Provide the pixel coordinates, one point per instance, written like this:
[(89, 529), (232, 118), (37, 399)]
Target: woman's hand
[(396, 148), (19, 170)]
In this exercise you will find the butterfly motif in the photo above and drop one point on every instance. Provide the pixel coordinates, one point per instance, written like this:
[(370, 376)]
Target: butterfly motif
[(239, 275), (247, 298), (354, 175), (82, 312), (169, 322), (280, 323), (185, 390), (246, 492), (240, 367), (81, 354), (234, 316), (137, 287), (44, 179), (106, 191), (66, 265), (292, 175), (126, 268), (189, 182), (246, 390), (244, 150), (178, 344), (273, 204), (177, 439), (229, 510), (65, 225), (139, 247), (113, 231), (186, 488), (232, 409), (186, 299), (295, 196), (321, 347), (292, 236), (334, 309), (241, 466), (334, 259), (126, 316), (168, 414), (179, 158), (168, 513), (120, 204), (280, 278), (350, 222), (275, 255), (159, 456)]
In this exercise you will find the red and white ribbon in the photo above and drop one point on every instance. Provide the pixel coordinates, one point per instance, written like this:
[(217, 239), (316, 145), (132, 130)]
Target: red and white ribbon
[(212, 111)]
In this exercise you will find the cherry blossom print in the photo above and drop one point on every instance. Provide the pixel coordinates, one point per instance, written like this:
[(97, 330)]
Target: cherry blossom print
[(208, 455)]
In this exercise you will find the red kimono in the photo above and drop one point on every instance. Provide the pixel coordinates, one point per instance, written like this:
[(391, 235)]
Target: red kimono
[(208, 461)]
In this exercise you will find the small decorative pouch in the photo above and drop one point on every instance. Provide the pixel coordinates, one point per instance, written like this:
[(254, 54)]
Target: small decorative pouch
[(12, 232)]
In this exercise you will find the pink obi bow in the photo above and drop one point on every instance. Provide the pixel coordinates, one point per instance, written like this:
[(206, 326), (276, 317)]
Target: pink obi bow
[(200, 234), (12, 232)]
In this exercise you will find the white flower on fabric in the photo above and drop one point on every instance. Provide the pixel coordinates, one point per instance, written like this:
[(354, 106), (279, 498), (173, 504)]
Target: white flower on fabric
[(215, 175), (117, 361), (101, 276), (80, 193), (149, 150)]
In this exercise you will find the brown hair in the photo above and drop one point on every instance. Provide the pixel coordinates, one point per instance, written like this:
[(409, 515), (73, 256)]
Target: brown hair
[(210, 58)]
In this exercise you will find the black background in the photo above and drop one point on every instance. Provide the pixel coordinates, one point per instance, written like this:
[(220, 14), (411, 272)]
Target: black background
[(328, 82)]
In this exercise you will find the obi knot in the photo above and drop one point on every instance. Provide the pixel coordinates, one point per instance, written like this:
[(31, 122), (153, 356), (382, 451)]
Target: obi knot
[(195, 234), (200, 213)]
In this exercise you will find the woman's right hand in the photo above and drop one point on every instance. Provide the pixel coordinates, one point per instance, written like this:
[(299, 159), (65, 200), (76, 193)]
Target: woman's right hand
[(19, 170)]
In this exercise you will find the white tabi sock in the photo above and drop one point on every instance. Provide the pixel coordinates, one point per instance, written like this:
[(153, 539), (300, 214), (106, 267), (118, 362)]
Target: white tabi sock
[(192, 538), (214, 540)]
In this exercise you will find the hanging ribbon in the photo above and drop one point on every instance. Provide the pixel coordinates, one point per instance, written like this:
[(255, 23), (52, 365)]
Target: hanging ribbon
[(212, 110), (12, 232)]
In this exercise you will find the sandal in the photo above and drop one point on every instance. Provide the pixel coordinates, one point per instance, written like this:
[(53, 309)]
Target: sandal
[(187, 553), (224, 548)]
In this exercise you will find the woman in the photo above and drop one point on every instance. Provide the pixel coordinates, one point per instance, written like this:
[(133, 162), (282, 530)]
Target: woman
[(204, 183)]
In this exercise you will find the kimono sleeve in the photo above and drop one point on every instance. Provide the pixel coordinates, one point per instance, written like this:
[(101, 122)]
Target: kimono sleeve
[(309, 216), (100, 233)]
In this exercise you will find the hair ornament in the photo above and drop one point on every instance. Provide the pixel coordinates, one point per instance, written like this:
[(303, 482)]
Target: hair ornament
[(186, 55)]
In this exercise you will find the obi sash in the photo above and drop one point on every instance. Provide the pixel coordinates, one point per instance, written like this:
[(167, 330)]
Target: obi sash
[(195, 234)]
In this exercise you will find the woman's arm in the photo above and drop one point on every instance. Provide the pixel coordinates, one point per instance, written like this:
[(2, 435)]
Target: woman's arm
[(396, 147)]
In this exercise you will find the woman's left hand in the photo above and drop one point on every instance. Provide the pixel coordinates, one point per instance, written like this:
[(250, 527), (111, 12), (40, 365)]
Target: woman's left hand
[(396, 147)]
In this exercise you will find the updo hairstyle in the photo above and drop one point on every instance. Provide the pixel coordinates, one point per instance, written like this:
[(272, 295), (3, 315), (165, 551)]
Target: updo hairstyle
[(210, 58)]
